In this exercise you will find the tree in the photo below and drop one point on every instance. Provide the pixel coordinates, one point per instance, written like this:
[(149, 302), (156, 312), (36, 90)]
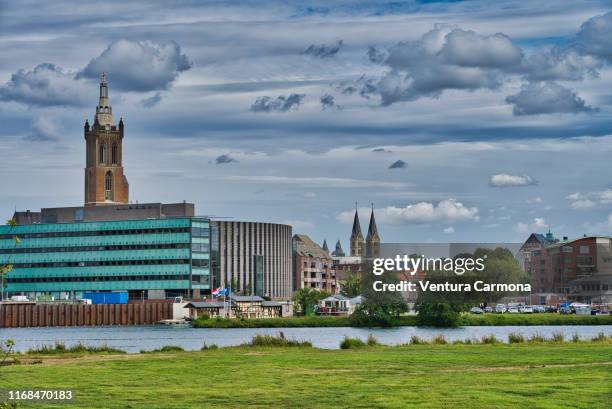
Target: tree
[(305, 298), (378, 308), (351, 286)]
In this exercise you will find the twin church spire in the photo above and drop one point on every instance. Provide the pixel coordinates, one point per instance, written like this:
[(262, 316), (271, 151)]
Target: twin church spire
[(372, 240)]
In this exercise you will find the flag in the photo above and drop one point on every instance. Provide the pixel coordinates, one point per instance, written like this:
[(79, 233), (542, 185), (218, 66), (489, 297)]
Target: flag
[(220, 291)]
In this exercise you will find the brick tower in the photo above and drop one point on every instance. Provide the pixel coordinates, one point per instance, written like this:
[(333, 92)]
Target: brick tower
[(105, 182)]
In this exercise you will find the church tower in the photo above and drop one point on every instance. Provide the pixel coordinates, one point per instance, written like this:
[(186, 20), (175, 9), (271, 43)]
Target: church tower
[(356, 236), (372, 239), (105, 182)]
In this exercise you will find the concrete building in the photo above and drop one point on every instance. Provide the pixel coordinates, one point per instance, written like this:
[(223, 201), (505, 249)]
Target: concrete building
[(247, 307), (568, 270), (312, 266), (252, 258)]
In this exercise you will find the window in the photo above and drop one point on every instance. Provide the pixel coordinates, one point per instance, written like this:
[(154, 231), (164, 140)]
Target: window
[(584, 249), (114, 156), (102, 155), (108, 186)]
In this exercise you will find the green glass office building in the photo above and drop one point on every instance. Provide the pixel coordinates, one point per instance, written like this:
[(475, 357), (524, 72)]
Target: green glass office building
[(149, 258)]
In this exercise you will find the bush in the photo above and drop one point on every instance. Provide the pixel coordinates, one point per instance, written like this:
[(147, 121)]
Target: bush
[(416, 340), (80, 348), (515, 338), (575, 337), (599, 337), (352, 343), (207, 347), (437, 315), (276, 341), (557, 337), (489, 339), (165, 348), (372, 341), (537, 338), (439, 340)]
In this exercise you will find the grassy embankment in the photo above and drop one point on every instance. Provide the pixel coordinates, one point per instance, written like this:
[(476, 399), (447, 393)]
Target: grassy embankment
[(427, 375), (409, 320)]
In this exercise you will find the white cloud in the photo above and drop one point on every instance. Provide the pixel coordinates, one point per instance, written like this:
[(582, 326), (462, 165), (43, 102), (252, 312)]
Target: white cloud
[(605, 196), (309, 195), (449, 210), (535, 200), (506, 180), (538, 224), (318, 181), (449, 230), (583, 204), (575, 196)]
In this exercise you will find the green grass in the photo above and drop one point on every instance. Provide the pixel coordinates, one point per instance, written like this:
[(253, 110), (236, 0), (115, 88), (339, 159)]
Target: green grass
[(77, 349), (539, 375), (408, 320)]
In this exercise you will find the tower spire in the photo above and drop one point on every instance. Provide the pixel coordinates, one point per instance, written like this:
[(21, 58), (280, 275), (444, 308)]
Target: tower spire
[(372, 239), (356, 235), (104, 112)]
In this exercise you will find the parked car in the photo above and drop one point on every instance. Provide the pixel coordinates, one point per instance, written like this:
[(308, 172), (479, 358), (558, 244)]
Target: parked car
[(488, 309), (539, 309), (513, 310), (476, 310), (527, 309), (565, 310), (551, 308), (500, 308)]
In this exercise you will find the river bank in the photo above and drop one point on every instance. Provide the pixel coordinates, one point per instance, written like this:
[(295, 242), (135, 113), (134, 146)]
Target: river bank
[(409, 320)]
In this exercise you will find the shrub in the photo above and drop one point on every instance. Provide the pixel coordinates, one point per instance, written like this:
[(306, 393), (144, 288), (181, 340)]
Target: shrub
[(372, 341), (489, 339), (165, 348), (276, 341), (352, 343), (557, 337), (575, 337), (515, 338), (437, 315), (416, 340), (536, 338), (80, 348), (599, 337), (207, 347), (439, 340)]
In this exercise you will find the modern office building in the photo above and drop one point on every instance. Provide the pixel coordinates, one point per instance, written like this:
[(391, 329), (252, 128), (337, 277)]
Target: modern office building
[(252, 258), (312, 266), (149, 258)]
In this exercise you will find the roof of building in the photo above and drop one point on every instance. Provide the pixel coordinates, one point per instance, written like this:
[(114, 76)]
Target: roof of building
[(205, 304), (372, 229), (356, 300), (356, 226), (304, 246), (247, 298), (271, 304), (335, 297), (338, 252)]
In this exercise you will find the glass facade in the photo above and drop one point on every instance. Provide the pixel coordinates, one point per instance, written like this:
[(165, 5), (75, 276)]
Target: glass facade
[(166, 257)]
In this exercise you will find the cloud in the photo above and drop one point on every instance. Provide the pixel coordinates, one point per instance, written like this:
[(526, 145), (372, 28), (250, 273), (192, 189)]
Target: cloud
[(309, 195), (449, 230), (381, 150), (280, 104), (324, 50), (151, 101), (376, 54), (594, 36), (43, 129), (538, 224), (223, 159), (583, 204), (506, 180), (560, 63), (447, 58), (46, 85), (605, 196), (449, 210), (139, 66), (537, 98), (319, 181), (398, 164), (535, 200), (329, 102)]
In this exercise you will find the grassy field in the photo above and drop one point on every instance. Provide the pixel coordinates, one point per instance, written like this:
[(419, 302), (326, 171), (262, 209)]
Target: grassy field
[(546, 375), (410, 320)]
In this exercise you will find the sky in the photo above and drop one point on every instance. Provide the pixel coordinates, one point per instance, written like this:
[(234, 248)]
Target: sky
[(461, 121)]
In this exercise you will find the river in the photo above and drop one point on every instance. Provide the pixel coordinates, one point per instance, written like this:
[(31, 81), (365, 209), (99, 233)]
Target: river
[(137, 338)]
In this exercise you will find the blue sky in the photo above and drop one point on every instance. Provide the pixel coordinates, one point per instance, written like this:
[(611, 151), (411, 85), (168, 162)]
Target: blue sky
[(495, 115)]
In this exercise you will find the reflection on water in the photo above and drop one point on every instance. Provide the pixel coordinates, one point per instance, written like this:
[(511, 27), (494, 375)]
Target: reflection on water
[(136, 338)]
